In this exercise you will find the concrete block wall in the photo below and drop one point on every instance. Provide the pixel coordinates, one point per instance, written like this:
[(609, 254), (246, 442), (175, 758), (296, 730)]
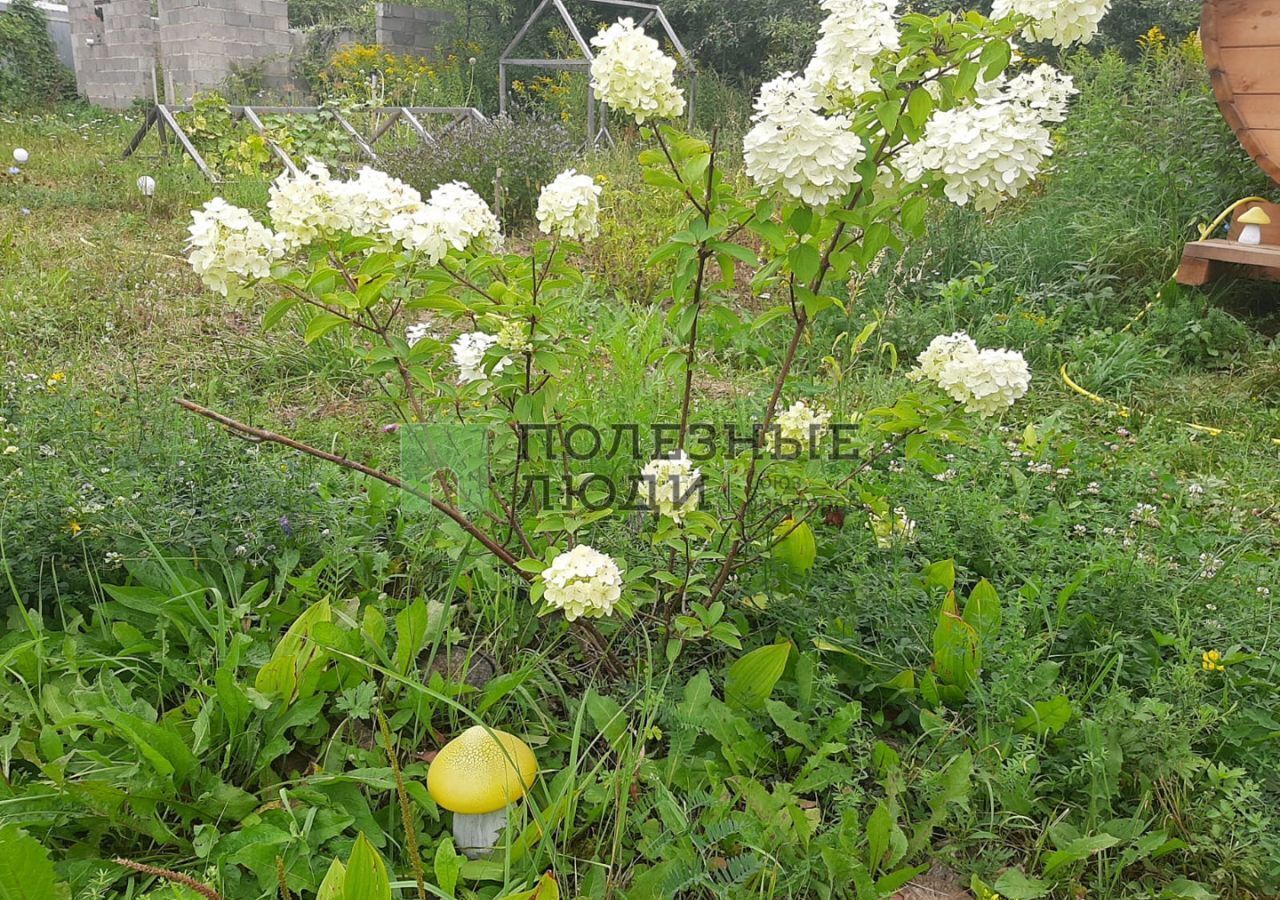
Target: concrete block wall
[(113, 43), (203, 42), (412, 29)]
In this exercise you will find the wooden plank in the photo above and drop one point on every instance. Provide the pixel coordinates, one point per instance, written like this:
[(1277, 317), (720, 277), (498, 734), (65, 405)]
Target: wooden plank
[(385, 126), (1258, 107), (550, 63), (417, 126), (1267, 144), (136, 141), (1250, 70), (275, 148), (1248, 23), (1233, 252), (281, 110), (355, 135), (1195, 272), (169, 120)]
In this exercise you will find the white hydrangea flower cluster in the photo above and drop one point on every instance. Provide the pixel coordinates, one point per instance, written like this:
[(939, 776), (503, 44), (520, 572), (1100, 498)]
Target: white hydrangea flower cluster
[(582, 582), (672, 485), (985, 381), (373, 199), (854, 34), (794, 149), (308, 206), (470, 220), (941, 350), (801, 423), (1062, 22), (570, 206), (454, 216), (892, 528), (992, 148), (1042, 91), (227, 245), (468, 355), (633, 75)]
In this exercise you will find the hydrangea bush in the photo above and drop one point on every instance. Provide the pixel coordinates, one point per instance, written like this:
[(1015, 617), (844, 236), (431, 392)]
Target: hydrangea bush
[(893, 111)]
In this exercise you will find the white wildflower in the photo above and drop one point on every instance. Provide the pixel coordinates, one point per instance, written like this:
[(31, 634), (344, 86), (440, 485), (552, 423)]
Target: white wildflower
[(227, 245), (513, 335), (630, 73), (794, 149), (672, 484), (582, 582), (570, 206), (469, 221), (1144, 514), (421, 229)]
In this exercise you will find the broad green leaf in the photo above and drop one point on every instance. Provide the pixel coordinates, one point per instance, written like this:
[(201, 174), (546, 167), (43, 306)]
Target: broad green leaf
[(751, 679), (1015, 885), (411, 630), (879, 825), (331, 887), (366, 877), (448, 864), (804, 261), (1078, 850), (294, 655), (25, 870), (321, 325), (546, 889), (982, 610), (1046, 716)]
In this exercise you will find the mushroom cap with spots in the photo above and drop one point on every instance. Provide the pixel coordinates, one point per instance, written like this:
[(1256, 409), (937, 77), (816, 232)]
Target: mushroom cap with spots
[(1255, 216), (481, 771)]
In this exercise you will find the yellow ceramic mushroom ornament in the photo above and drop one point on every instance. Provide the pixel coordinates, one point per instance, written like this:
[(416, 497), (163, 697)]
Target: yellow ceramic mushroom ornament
[(478, 776), (1253, 220)]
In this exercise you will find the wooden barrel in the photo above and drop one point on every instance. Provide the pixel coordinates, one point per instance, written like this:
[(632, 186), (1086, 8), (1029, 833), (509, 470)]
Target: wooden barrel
[(1242, 48)]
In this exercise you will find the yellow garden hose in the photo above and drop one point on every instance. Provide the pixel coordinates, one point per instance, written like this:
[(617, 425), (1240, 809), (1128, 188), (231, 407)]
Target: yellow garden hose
[(1123, 411)]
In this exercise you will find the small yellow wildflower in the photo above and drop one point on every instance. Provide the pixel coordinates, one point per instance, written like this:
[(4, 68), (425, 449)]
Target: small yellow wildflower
[(55, 379), (1153, 41), (1211, 661), (75, 527)]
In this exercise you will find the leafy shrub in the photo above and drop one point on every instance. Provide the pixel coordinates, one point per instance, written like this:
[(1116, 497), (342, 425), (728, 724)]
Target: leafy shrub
[(529, 153), (1143, 158), (232, 146), (30, 73)]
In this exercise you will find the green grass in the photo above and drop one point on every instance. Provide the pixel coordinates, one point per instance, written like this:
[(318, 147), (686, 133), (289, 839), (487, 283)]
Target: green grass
[(152, 564)]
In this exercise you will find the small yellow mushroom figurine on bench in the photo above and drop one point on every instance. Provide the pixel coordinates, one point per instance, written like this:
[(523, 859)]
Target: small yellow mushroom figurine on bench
[(1251, 248)]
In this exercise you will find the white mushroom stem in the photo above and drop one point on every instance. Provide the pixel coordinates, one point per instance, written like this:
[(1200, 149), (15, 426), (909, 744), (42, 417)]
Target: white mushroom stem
[(475, 835)]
